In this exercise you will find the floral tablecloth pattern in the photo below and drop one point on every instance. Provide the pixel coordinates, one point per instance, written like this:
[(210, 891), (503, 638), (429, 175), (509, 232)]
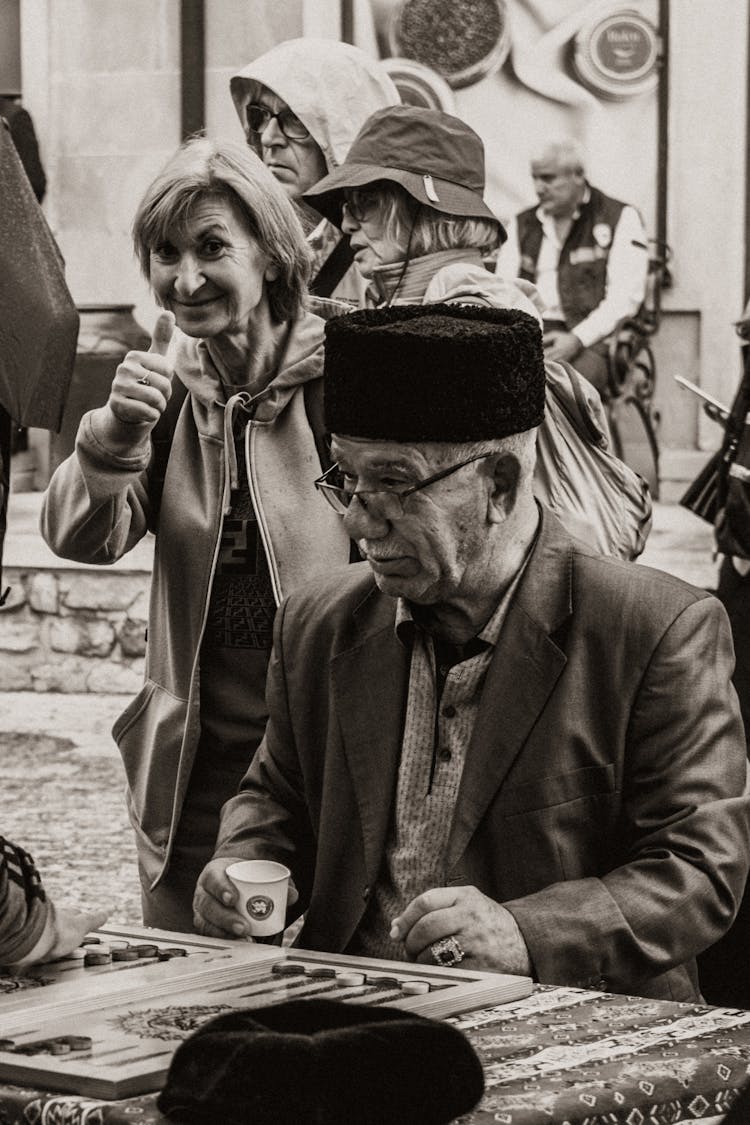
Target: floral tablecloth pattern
[(559, 1057), (568, 1057)]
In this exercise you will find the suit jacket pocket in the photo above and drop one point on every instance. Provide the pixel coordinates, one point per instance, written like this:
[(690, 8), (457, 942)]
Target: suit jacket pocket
[(558, 789), (558, 828)]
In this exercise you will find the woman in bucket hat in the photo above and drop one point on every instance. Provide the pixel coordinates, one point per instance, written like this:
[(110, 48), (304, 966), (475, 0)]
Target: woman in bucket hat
[(410, 196)]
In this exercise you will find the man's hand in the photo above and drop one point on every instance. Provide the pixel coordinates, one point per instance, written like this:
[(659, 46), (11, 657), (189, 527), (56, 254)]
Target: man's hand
[(143, 381), (561, 346), (485, 930), (215, 912)]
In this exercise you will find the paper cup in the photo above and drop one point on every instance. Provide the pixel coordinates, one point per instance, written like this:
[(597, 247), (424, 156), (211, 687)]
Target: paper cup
[(262, 891)]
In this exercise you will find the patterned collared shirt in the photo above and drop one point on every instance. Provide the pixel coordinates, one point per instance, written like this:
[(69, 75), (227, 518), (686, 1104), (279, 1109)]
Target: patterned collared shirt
[(443, 702)]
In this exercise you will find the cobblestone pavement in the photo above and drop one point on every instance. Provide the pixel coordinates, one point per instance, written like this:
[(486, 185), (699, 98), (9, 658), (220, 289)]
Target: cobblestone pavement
[(63, 792)]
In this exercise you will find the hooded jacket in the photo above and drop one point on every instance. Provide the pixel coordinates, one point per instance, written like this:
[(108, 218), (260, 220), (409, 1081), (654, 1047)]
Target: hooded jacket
[(102, 500), (333, 88)]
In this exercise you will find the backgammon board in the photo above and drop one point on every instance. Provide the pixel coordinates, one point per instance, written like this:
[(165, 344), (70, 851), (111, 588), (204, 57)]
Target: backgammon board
[(136, 956), (109, 1030)]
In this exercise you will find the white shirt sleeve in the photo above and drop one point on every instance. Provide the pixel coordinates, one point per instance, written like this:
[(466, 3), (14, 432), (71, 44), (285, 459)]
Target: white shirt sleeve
[(627, 267), (508, 265)]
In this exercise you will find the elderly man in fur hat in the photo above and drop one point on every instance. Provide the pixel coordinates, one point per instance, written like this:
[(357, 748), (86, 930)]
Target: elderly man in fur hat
[(487, 742)]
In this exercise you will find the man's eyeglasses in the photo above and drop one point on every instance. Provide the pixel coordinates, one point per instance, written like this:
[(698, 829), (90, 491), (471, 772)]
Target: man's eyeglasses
[(258, 116), (361, 203), (389, 504)]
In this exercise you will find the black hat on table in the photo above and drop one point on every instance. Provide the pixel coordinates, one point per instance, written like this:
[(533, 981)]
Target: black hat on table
[(448, 373), (322, 1061), (437, 158)]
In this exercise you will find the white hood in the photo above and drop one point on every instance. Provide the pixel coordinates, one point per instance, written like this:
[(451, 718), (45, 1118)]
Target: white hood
[(332, 87)]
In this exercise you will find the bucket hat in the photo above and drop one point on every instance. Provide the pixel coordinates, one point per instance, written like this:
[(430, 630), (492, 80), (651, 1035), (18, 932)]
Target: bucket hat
[(437, 158)]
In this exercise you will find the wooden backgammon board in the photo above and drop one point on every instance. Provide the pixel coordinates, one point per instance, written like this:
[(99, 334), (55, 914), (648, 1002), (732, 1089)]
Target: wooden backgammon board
[(108, 1028)]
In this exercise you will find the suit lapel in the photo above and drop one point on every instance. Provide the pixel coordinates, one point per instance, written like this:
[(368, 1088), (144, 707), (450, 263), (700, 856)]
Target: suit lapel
[(370, 683), (524, 670)]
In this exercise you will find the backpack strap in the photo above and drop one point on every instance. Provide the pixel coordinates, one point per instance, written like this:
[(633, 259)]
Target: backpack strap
[(312, 392), (333, 269)]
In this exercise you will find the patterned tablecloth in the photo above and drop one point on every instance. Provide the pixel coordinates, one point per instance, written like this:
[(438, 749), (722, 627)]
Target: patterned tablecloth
[(560, 1057)]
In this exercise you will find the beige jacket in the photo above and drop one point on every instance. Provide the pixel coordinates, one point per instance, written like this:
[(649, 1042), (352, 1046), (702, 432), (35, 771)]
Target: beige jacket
[(100, 502)]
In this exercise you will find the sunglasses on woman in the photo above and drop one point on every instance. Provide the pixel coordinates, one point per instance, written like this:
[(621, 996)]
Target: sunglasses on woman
[(361, 202), (258, 117)]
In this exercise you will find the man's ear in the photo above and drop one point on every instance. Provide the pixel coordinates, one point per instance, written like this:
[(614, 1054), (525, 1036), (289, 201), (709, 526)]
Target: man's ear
[(271, 272), (506, 475)]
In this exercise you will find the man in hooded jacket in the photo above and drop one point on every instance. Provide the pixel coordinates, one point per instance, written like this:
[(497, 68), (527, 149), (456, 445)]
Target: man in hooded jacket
[(301, 105)]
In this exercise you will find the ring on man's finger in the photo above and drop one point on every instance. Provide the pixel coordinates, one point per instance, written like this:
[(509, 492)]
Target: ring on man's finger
[(447, 952), (143, 381)]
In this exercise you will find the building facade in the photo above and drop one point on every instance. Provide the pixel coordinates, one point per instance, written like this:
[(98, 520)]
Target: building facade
[(105, 84)]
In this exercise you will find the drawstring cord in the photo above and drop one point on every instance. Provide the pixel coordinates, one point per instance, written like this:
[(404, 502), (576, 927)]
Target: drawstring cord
[(400, 277), (243, 401), (246, 402)]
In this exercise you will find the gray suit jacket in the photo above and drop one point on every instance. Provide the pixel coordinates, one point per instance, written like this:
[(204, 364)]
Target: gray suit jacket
[(602, 799)]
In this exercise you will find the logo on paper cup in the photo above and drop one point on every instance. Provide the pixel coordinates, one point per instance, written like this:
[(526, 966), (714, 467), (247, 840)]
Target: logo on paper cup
[(259, 907)]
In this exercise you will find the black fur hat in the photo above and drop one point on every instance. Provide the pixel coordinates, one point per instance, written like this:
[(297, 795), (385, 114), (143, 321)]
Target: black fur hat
[(322, 1061), (453, 373)]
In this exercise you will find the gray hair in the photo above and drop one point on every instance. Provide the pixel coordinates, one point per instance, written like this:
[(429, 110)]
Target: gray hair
[(427, 230), (567, 153), (521, 446), (203, 168)]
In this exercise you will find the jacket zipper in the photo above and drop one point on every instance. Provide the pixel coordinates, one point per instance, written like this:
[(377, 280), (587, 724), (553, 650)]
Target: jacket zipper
[(194, 678), (273, 567)]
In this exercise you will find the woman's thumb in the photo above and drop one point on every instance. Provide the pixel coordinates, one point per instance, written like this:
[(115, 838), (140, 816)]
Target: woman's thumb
[(163, 330)]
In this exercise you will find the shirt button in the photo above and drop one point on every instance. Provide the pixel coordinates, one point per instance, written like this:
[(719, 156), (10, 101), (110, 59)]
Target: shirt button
[(445, 755), (449, 711), (366, 893)]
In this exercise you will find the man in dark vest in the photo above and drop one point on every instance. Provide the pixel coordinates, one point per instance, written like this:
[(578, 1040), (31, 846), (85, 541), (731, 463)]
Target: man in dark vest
[(585, 252)]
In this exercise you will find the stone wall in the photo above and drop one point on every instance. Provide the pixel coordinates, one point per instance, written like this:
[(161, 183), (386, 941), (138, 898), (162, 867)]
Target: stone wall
[(73, 630)]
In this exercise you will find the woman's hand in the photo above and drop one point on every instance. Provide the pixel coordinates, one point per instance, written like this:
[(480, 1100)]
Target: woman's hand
[(143, 381)]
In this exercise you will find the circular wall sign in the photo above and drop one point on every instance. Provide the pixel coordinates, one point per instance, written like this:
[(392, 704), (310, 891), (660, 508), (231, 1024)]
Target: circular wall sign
[(463, 40), (618, 56), (420, 85)]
